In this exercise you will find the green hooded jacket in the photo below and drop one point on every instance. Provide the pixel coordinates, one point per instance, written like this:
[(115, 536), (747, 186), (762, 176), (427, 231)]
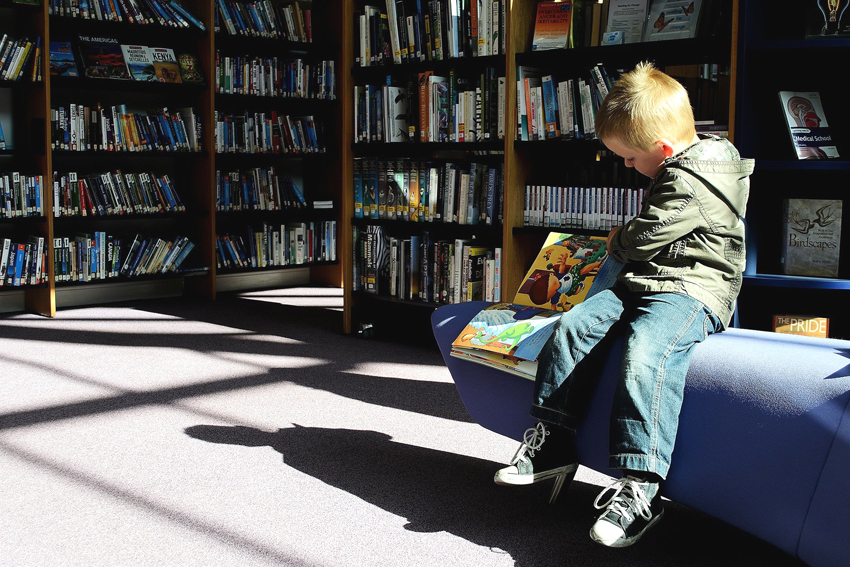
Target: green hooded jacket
[(689, 235)]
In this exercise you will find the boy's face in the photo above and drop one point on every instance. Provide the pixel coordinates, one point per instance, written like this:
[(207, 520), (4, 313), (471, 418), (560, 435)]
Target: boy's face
[(647, 163)]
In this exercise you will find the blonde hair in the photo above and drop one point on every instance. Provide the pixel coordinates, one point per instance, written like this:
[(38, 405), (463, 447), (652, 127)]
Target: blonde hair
[(644, 106)]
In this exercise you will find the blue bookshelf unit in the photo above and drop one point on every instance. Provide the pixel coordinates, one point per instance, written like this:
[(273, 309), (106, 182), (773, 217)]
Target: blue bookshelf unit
[(774, 54)]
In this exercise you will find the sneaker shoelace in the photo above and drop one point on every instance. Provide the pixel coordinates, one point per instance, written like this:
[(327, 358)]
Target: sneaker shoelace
[(533, 439), (628, 497)]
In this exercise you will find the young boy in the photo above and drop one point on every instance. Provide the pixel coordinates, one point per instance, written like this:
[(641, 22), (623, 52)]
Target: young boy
[(684, 256)]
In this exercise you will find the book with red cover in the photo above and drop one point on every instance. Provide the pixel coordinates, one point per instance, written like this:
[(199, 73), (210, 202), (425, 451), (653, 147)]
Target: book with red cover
[(553, 27)]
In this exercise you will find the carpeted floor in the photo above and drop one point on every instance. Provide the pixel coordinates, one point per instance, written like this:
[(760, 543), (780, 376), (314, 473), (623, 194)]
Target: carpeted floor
[(250, 431)]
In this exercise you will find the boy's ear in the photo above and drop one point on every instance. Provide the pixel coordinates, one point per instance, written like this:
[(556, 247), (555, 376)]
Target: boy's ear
[(666, 147)]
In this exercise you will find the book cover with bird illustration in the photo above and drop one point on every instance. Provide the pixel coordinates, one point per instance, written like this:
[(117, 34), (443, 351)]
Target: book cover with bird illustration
[(812, 237)]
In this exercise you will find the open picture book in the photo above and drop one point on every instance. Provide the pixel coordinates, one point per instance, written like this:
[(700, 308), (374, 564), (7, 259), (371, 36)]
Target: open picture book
[(510, 335)]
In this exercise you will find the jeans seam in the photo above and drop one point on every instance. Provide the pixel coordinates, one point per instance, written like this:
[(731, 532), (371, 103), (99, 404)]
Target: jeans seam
[(546, 390), (587, 331), (660, 382)]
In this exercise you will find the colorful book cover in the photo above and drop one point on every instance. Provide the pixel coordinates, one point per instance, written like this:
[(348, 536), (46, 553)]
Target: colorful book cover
[(563, 271), (62, 62), (139, 63), (553, 26), (807, 125), (190, 69), (165, 64), (102, 58), (803, 325), (812, 239), (509, 329), (568, 269)]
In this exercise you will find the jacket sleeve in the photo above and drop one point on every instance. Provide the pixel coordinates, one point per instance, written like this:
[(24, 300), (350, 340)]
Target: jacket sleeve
[(669, 214)]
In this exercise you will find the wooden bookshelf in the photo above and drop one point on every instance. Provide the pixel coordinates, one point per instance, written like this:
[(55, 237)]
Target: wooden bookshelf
[(27, 109), (26, 131), (549, 160)]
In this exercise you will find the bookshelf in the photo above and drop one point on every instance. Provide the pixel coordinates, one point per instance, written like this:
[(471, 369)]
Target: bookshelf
[(436, 155), (584, 162), (278, 134), (28, 111), (84, 160), (557, 161), (23, 108), (774, 54)]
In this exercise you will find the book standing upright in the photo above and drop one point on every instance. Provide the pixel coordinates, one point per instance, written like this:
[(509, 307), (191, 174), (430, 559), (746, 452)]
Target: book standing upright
[(812, 237), (807, 125)]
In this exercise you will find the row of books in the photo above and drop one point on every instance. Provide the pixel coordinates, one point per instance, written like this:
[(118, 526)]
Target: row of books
[(3, 145), (21, 195), (256, 189), (551, 109), (268, 133), (23, 263), (105, 57), (420, 268), (381, 114), (113, 193), (99, 256), (78, 127), (160, 64), (441, 109), (262, 18), (146, 12), (402, 31), (274, 76), (20, 59), (428, 191), (461, 108), (591, 208), (285, 245)]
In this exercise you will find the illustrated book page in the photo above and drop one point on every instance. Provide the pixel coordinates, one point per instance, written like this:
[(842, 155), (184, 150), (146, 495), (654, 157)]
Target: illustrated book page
[(510, 335)]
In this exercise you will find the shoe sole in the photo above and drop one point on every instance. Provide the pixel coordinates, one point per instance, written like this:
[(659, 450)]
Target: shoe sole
[(525, 480), (627, 541)]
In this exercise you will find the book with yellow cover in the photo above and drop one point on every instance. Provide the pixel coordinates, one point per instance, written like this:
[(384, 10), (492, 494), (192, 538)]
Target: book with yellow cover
[(509, 335), (801, 325)]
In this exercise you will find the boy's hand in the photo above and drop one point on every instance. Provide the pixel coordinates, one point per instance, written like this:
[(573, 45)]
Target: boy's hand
[(611, 235)]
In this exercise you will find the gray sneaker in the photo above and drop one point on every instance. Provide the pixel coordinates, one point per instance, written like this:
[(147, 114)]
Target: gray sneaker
[(531, 464), (634, 508)]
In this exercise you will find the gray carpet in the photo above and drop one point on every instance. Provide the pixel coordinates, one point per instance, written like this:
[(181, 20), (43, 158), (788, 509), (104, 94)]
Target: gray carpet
[(249, 431)]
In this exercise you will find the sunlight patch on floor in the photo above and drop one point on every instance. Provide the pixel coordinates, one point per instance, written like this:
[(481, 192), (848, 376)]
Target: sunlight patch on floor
[(124, 326), (273, 339), (383, 369), (329, 298)]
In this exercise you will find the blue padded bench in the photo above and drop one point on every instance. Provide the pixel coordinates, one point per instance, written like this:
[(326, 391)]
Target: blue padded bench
[(764, 434)]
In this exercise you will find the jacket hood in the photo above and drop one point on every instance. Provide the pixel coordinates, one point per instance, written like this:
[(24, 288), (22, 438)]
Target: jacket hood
[(717, 163)]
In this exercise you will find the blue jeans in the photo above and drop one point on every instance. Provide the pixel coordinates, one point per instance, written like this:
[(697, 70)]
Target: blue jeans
[(660, 332)]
